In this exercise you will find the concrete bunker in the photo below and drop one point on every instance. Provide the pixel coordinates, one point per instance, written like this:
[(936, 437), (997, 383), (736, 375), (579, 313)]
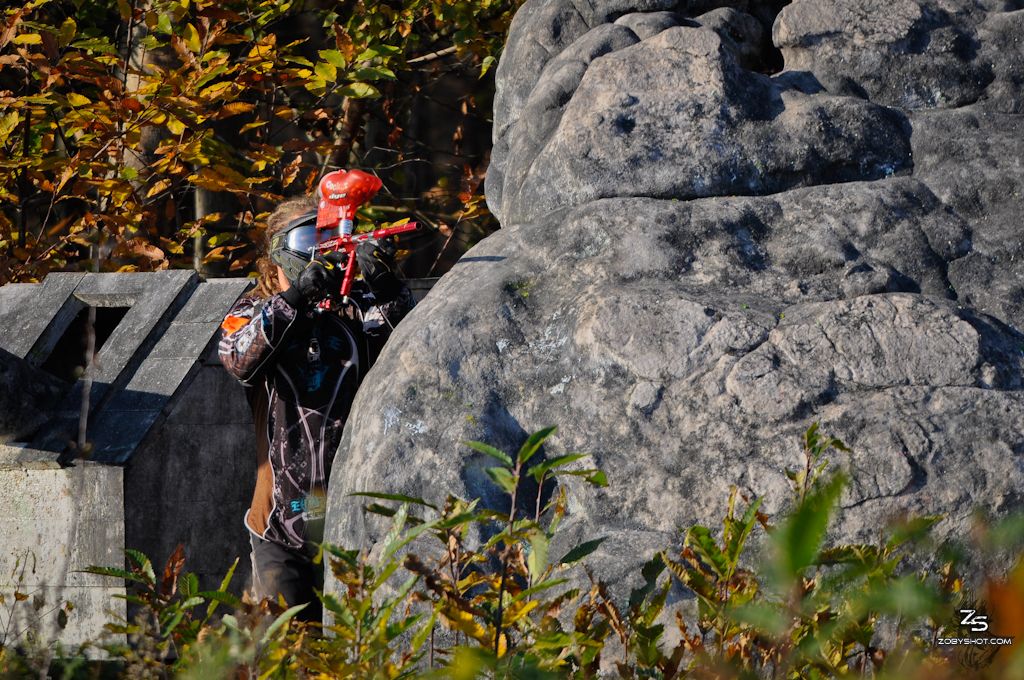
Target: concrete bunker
[(171, 435)]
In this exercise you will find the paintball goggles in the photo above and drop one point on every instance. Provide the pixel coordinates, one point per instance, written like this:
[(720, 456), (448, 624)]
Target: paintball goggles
[(340, 194)]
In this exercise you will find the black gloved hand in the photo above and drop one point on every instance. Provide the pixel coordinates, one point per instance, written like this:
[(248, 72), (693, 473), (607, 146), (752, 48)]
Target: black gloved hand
[(320, 279), (377, 263)]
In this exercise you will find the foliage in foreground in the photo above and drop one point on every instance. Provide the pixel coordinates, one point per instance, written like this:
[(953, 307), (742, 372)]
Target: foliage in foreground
[(491, 600)]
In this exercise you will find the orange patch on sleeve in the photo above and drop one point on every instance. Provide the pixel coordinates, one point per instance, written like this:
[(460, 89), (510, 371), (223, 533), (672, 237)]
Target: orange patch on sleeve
[(232, 324)]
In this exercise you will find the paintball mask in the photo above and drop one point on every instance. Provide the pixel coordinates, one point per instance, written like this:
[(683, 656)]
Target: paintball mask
[(292, 248)]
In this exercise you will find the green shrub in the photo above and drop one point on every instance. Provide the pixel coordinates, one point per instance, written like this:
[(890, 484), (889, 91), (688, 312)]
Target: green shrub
[(489, 600)]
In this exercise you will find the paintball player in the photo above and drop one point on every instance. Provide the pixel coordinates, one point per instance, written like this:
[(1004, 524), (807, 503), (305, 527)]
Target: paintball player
[(301, 361)]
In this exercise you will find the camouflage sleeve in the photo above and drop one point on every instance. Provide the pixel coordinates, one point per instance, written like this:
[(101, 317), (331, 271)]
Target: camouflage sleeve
[(380, 320), (253, 330)]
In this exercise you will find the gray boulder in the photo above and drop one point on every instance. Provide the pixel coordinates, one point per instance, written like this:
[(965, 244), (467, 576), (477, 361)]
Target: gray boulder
[(700, 258), (915, 54), (691, 123)]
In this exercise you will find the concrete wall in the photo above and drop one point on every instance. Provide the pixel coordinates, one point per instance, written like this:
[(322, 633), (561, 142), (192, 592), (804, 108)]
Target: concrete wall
[(164, 409), (191, 480), (54, 522)]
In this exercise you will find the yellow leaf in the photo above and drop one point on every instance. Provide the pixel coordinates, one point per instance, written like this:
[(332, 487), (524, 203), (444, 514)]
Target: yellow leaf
[(157, 188), (76, 99), (68, 29), (8, 124), (175, 126), (518, 610), (28, 39), (65, 175), (235, 108), (217, 89), (192, 38), (326, 70)]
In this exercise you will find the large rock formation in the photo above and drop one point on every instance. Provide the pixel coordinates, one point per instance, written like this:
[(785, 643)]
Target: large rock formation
[(701, 256)]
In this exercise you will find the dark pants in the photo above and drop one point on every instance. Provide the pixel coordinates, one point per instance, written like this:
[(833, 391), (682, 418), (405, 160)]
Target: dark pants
[(277, 570)]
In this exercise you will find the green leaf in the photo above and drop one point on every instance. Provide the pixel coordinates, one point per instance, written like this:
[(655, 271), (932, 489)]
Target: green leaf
[(537, 562), (281, 621), (763, 616), (384, 615), (906, 597), (390, 568), (338, 608), (333, 57), (67, 32), (192, 40), (395, 534), (595, 477), (163, 24), (223, 588), (101, 45), (741, 532), (168, 626), (912, 530), (359, 91), (703, 543), (798, 539), (490, 451), (216, 597), (395, 497), (413, 534), (221, 239), (540, 587), (858, 555), (546, 466), (189, 585), (650, 572), (115, 573), (327, 71), (8, 124), (1008, 532), (174, 126), (378, 51), (488, 62), (420, 638), (374, 73), (533, 444), (142, 562), (503, 478), (581, 551)]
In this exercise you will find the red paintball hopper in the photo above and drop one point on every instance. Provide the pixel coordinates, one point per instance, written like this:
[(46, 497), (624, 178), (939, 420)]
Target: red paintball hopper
[(341, 193)]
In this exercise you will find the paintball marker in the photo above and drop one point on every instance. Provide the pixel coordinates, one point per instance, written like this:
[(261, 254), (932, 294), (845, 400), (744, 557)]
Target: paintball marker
[(341, 193)]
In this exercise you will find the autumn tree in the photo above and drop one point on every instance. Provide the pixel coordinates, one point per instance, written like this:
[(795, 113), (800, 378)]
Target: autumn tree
[(146, 134)]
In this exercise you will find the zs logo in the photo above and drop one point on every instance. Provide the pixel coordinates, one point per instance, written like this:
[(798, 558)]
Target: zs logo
[(977, 623)]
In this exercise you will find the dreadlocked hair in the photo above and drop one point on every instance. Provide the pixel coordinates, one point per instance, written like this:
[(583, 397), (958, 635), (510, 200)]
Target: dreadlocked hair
[(266, 281)]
